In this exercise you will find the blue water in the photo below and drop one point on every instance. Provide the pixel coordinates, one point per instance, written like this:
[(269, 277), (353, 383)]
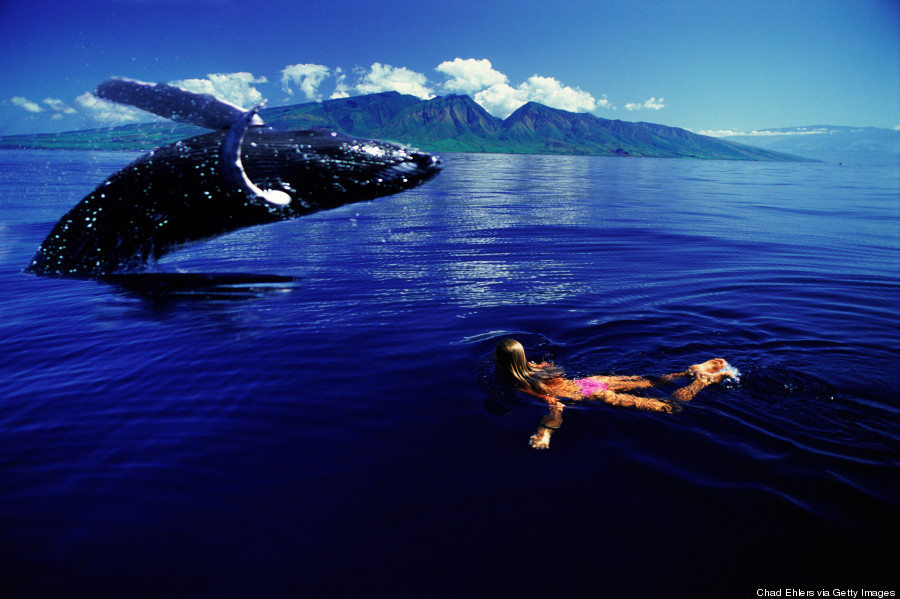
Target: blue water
[(336, 436)]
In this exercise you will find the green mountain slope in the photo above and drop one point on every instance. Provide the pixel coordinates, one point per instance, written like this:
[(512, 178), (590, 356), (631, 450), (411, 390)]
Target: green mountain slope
[(444, 124)]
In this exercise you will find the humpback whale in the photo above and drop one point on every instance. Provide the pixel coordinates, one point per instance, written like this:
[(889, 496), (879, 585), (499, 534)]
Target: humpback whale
[(240, 175)]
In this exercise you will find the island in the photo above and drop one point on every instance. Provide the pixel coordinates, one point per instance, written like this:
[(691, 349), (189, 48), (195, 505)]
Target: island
[(453, 123)]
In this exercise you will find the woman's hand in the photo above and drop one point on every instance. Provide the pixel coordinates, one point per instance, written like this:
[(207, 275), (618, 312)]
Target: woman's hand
[(549, 424)]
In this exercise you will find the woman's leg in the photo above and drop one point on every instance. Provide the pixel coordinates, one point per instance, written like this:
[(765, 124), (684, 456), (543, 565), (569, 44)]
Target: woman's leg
[(704, 375), (626, 383), (626, 400), (620, 384)]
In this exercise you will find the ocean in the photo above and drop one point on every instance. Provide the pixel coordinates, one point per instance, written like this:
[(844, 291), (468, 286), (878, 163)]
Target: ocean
[(336, 431)]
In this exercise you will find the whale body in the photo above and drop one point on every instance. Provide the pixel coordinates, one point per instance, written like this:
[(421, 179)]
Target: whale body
[(240, 176)]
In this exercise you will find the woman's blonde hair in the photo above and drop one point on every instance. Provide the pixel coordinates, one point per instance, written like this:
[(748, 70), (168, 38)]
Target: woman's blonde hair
[(510, 360)]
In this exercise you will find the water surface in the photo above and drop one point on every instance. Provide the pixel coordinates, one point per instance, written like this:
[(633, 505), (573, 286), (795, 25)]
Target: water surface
[(334, 435)]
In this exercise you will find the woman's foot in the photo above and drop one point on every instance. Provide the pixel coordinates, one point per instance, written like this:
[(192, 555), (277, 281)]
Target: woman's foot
[(712, 371), (540, 440)]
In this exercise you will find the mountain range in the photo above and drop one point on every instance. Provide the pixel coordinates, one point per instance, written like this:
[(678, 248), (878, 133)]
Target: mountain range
[(452, 123)]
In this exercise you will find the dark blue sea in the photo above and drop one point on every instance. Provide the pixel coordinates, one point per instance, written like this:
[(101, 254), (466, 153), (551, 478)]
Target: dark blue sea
[(338, 435)]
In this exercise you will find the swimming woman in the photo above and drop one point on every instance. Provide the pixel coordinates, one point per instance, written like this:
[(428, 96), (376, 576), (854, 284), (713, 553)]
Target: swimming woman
[(545, 381)]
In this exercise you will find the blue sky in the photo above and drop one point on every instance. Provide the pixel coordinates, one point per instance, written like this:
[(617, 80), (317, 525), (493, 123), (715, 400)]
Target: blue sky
[(703, 65)]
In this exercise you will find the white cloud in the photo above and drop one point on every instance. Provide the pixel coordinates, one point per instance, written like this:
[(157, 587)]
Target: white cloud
[(59, 107), (236, 88), (651, 104), (502, 100), (470, 75), (801, 131), (26, 104), (720, 133), (381, 78), (307, 77), (109, 113), (475, 77), (341, 89), (897, 128), (551, 92), (764, 132)]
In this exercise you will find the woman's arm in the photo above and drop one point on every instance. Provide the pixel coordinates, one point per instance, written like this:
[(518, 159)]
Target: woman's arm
[(549, 424)]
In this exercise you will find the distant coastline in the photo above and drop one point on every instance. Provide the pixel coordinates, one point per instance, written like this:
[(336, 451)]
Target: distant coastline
[(443, 124), (829, 143)]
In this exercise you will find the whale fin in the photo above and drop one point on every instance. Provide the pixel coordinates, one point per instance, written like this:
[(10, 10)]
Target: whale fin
[(233, 169), (168, 101)]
